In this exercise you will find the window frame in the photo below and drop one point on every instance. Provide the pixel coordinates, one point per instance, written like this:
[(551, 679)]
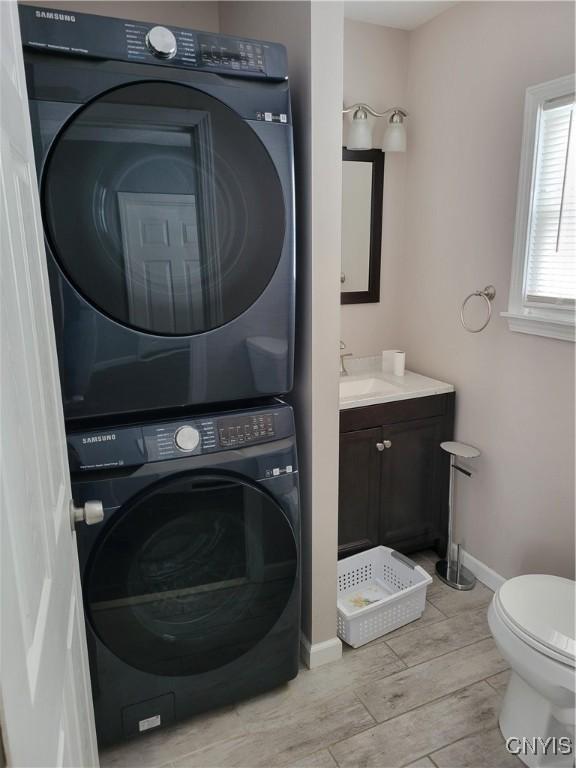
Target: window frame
[(544, 320)]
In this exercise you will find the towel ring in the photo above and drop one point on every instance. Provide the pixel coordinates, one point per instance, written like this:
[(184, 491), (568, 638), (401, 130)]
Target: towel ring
[(488, 295)]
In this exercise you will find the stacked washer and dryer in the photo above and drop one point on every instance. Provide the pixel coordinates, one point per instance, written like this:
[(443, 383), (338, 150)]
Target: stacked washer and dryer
[(165, 168)]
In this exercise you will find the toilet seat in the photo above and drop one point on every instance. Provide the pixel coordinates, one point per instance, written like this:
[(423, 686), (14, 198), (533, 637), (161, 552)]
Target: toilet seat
[(540, 610)]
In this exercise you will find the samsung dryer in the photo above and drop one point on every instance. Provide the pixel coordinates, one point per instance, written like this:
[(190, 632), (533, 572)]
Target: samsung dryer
[(165, 166), (191, 583)]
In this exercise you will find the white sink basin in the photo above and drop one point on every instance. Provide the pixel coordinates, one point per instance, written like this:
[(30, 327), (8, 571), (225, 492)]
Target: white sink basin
[(358, 387), (368, 384)]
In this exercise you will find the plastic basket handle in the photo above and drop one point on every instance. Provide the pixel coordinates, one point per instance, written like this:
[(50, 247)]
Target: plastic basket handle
[(403, 559)]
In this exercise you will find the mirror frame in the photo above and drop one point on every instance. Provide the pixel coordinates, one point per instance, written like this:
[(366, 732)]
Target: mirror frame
[(376, 157)]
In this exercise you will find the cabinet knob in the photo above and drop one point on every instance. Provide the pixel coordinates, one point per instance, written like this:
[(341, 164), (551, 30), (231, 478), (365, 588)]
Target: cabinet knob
[(385, 444)]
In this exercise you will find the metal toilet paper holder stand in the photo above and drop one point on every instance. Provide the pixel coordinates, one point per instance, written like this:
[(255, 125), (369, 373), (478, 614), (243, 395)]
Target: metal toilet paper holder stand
[(451, 571)]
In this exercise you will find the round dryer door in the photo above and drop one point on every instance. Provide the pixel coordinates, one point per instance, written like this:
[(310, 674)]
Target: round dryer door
[(191, 575), (164, 208)]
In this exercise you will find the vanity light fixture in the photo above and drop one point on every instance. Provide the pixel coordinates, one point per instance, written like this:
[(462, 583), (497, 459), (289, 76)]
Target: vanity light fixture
[(360, 133)]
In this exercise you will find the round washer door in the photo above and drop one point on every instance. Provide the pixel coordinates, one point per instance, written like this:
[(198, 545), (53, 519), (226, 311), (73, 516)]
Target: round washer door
[(191, 575), (163, 208)]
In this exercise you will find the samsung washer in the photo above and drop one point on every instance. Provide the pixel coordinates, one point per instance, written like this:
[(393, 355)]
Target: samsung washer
[(191, 583)]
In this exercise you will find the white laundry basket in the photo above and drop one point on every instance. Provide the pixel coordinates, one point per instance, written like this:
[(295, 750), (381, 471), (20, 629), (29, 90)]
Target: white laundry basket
[(378, 590)]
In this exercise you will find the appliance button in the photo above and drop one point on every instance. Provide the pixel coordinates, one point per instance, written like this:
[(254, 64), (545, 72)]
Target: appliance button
[(187, 438), (161, 42)]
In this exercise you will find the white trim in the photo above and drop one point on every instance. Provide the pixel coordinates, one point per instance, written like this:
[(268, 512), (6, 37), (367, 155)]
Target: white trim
[(540, 325), (483, 573), (556, 323), (320, 653)]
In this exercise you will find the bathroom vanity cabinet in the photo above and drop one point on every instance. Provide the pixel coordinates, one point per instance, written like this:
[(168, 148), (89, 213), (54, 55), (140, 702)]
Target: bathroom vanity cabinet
[(393, 487)]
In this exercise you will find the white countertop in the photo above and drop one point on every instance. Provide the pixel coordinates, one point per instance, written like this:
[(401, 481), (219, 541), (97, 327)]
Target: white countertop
[(368, 384)]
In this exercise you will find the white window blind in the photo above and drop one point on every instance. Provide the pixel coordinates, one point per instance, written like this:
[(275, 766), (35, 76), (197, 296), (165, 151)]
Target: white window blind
[(550, 276)]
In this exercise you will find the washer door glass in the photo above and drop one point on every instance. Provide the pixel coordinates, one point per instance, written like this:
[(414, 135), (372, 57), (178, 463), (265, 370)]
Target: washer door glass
[(164, 208), (191, 575)]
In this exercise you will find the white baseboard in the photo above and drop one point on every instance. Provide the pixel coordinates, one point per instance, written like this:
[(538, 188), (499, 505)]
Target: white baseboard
[(483, 573), (320, 653)]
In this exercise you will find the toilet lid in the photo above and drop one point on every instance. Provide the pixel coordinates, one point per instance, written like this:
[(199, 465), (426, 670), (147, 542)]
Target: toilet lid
[(543, 608)]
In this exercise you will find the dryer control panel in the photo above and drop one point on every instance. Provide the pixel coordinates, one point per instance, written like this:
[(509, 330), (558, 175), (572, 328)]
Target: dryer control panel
[(142, 444), (86, 35)]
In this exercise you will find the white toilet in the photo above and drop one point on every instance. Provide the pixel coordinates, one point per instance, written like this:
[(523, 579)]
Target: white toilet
[(532, 621)]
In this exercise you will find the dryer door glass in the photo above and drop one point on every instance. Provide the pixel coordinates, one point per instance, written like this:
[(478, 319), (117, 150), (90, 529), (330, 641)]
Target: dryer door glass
[(191, 575), (164, 208)]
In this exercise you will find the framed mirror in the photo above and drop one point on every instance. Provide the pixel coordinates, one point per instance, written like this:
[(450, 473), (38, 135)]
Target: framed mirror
[(362, 194)]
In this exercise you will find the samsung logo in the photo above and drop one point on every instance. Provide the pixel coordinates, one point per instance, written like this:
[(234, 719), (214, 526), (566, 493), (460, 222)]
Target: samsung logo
[(55, 16), (99, 438)]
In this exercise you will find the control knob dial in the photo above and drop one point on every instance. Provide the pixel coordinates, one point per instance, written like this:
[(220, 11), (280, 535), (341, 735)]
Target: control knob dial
[(187, 438), (161, 42)]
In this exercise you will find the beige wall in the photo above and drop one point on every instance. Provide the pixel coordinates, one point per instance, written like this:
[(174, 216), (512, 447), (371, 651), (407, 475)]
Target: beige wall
[(321, 368), (198, 15), (313, 37), (375, 72), (468, 71)]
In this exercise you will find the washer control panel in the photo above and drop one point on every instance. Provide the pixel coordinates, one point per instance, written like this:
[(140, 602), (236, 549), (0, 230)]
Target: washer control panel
[(241, 430), (135, 445), (82, 34)]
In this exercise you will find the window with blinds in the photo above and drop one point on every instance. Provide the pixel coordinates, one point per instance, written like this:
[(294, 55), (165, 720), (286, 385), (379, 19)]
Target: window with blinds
[(543, 278), (550, 269)]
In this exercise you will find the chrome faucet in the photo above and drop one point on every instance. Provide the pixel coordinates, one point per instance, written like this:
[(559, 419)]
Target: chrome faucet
[(343, 371)]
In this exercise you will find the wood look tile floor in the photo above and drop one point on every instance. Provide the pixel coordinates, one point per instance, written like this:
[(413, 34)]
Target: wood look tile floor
[(424, 696)]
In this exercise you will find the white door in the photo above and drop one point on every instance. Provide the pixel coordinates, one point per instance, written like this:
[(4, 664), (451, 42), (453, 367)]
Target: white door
[(45, 703), (162, 258)]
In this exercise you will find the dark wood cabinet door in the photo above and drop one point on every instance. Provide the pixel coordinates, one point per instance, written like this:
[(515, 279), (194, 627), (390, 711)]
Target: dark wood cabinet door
[(410, 490), (359, 491)]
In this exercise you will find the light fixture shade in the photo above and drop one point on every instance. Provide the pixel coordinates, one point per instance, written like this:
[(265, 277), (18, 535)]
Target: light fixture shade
[(394, 138), (359, 134)]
